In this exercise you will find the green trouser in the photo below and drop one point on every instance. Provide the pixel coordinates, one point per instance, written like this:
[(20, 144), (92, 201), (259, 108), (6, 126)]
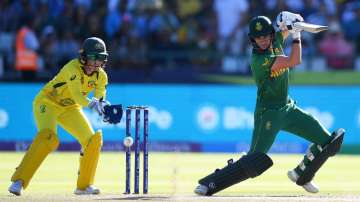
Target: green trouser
[(290, 118)]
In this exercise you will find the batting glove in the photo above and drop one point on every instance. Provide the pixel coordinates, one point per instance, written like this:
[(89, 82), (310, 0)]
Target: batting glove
[(286, 19)]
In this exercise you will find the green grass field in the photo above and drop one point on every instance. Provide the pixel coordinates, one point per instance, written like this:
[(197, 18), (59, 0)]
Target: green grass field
[(173, 177)]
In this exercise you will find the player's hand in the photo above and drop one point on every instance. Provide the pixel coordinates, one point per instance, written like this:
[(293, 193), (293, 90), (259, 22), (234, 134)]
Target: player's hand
[(98, 105), (295, 33), (113, 113), (285, 20)]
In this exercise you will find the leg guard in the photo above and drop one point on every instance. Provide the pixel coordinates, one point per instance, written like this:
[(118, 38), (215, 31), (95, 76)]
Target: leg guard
[(45, 142), (316, 161), (88, 161), (251, 165)]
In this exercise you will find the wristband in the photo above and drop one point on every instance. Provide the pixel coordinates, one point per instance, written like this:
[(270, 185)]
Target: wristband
[(296, 41)]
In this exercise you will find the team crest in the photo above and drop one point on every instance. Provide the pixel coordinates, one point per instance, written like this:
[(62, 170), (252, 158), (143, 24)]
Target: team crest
[(42, 108), (258, 26), (91, 84), (268, 125), (98, 46), (266, 62)]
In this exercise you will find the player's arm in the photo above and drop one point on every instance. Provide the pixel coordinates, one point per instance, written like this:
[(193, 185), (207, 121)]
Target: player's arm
[(285, 34), (284, 21), (100, 89), (98, 102), (283, 62)]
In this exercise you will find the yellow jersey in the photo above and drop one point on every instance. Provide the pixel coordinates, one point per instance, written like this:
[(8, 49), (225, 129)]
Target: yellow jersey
[(71, 86)]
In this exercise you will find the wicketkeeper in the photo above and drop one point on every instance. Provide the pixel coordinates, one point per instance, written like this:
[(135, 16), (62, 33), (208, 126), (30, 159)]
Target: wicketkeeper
[(60, 102), (276, 111)]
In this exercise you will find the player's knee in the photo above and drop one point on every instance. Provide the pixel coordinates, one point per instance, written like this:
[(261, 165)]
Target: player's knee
[(336, 141), (48, 137), (94, 141), (97, 138)]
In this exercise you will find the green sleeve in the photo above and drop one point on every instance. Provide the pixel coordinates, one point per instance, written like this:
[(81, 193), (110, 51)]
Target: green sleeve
[(280, 37)]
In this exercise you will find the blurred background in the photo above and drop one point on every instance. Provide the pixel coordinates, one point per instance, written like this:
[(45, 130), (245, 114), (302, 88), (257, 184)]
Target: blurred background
[(171, 41), (188, 60)]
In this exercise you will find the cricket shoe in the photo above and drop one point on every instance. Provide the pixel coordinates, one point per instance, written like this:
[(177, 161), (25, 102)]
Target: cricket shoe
[(201, 190), (90, 190), (16, 187), (309, 187)]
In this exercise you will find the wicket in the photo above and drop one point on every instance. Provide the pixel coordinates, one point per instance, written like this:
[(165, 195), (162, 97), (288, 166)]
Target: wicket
[(137, 148)]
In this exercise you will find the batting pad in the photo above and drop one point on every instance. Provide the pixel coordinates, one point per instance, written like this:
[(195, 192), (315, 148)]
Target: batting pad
[(250, 165), (45, 142), (89, 160), (329, 150)]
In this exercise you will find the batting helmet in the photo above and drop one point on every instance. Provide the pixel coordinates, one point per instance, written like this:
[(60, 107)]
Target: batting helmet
[(260, 26), (93, 48)]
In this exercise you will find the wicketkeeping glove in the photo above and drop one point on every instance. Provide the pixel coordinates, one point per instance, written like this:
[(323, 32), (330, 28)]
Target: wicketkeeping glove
[(113, 113), (98, 105)]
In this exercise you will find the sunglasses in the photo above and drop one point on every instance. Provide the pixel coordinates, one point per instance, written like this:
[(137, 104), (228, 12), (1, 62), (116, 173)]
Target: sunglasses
[(98, 57)]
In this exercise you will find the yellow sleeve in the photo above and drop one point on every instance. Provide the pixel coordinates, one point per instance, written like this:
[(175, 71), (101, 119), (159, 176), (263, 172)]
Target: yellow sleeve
[(100, 89), (74, 85)]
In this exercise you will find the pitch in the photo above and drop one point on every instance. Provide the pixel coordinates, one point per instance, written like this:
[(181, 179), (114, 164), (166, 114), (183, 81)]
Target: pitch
[(173, 176)]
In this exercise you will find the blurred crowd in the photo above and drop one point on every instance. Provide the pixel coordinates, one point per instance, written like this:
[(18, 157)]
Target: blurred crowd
[(158, 35)]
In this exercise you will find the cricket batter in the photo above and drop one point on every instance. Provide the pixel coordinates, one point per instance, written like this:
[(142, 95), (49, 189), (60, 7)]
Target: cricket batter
[(276, 111), (60, 101)]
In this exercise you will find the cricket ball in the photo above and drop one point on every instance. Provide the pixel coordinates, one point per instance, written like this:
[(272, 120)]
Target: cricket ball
[(128, 141)]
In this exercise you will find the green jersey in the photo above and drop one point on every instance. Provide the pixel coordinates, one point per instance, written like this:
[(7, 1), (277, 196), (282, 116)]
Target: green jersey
[(272, 88)]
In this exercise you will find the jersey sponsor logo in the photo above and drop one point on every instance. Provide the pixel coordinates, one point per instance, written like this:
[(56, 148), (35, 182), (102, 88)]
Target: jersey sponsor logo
[(72, 77), (67, 102)]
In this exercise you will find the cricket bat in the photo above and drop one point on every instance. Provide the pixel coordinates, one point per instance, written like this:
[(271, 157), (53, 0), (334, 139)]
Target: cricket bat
[(308, 27)]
